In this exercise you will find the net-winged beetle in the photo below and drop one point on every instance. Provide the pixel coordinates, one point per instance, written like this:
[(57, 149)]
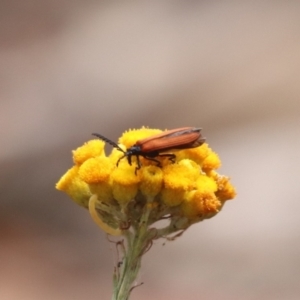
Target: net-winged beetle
[(157, 145)]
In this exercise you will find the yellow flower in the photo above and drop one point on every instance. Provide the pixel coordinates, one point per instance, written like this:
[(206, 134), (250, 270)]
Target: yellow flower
[(179, 178), (206, 184), (76, 188), (90, 149), (195, 154), (151, 180), (212, 161), (185, 191), (96, 170), (200, 204), (124, 184)]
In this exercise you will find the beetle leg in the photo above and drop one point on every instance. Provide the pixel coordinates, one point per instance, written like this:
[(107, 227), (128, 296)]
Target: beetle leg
[(120, 159), (171, 156), (129, 159), (138, 164), (158, 163)]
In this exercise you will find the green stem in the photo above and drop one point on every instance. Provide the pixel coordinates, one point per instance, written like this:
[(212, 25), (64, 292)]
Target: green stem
[(136, 244)]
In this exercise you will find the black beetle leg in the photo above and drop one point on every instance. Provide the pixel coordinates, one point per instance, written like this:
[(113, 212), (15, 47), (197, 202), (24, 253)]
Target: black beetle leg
[(158, 163), (171, 156), (138, 164)]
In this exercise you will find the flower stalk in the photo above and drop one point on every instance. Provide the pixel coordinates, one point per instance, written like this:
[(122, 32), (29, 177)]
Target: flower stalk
[(136, 245), (128, 200)]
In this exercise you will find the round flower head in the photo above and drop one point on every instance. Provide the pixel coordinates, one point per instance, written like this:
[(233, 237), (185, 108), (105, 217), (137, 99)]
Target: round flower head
[(182, 186), (72, 185), (93, 148)]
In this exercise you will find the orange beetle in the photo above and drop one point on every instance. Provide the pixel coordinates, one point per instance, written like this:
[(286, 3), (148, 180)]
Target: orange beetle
[(158, 144)]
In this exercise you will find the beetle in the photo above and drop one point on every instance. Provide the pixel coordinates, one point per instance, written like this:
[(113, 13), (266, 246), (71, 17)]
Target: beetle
[(157, 145)]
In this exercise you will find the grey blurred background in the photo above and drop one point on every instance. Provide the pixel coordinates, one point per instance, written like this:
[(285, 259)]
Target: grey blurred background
[(70, 68)]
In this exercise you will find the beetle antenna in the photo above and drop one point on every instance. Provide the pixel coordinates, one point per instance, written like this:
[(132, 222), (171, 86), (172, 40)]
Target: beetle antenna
[(101, 137)]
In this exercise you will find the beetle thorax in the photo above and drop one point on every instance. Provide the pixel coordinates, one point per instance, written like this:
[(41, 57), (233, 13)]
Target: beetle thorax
[(134, 150)]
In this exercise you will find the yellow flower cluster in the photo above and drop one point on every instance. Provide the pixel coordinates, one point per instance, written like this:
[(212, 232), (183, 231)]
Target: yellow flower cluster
[(189, 188)]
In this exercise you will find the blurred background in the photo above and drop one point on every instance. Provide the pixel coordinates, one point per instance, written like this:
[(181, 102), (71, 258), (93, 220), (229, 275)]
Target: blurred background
[(70, 68)]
